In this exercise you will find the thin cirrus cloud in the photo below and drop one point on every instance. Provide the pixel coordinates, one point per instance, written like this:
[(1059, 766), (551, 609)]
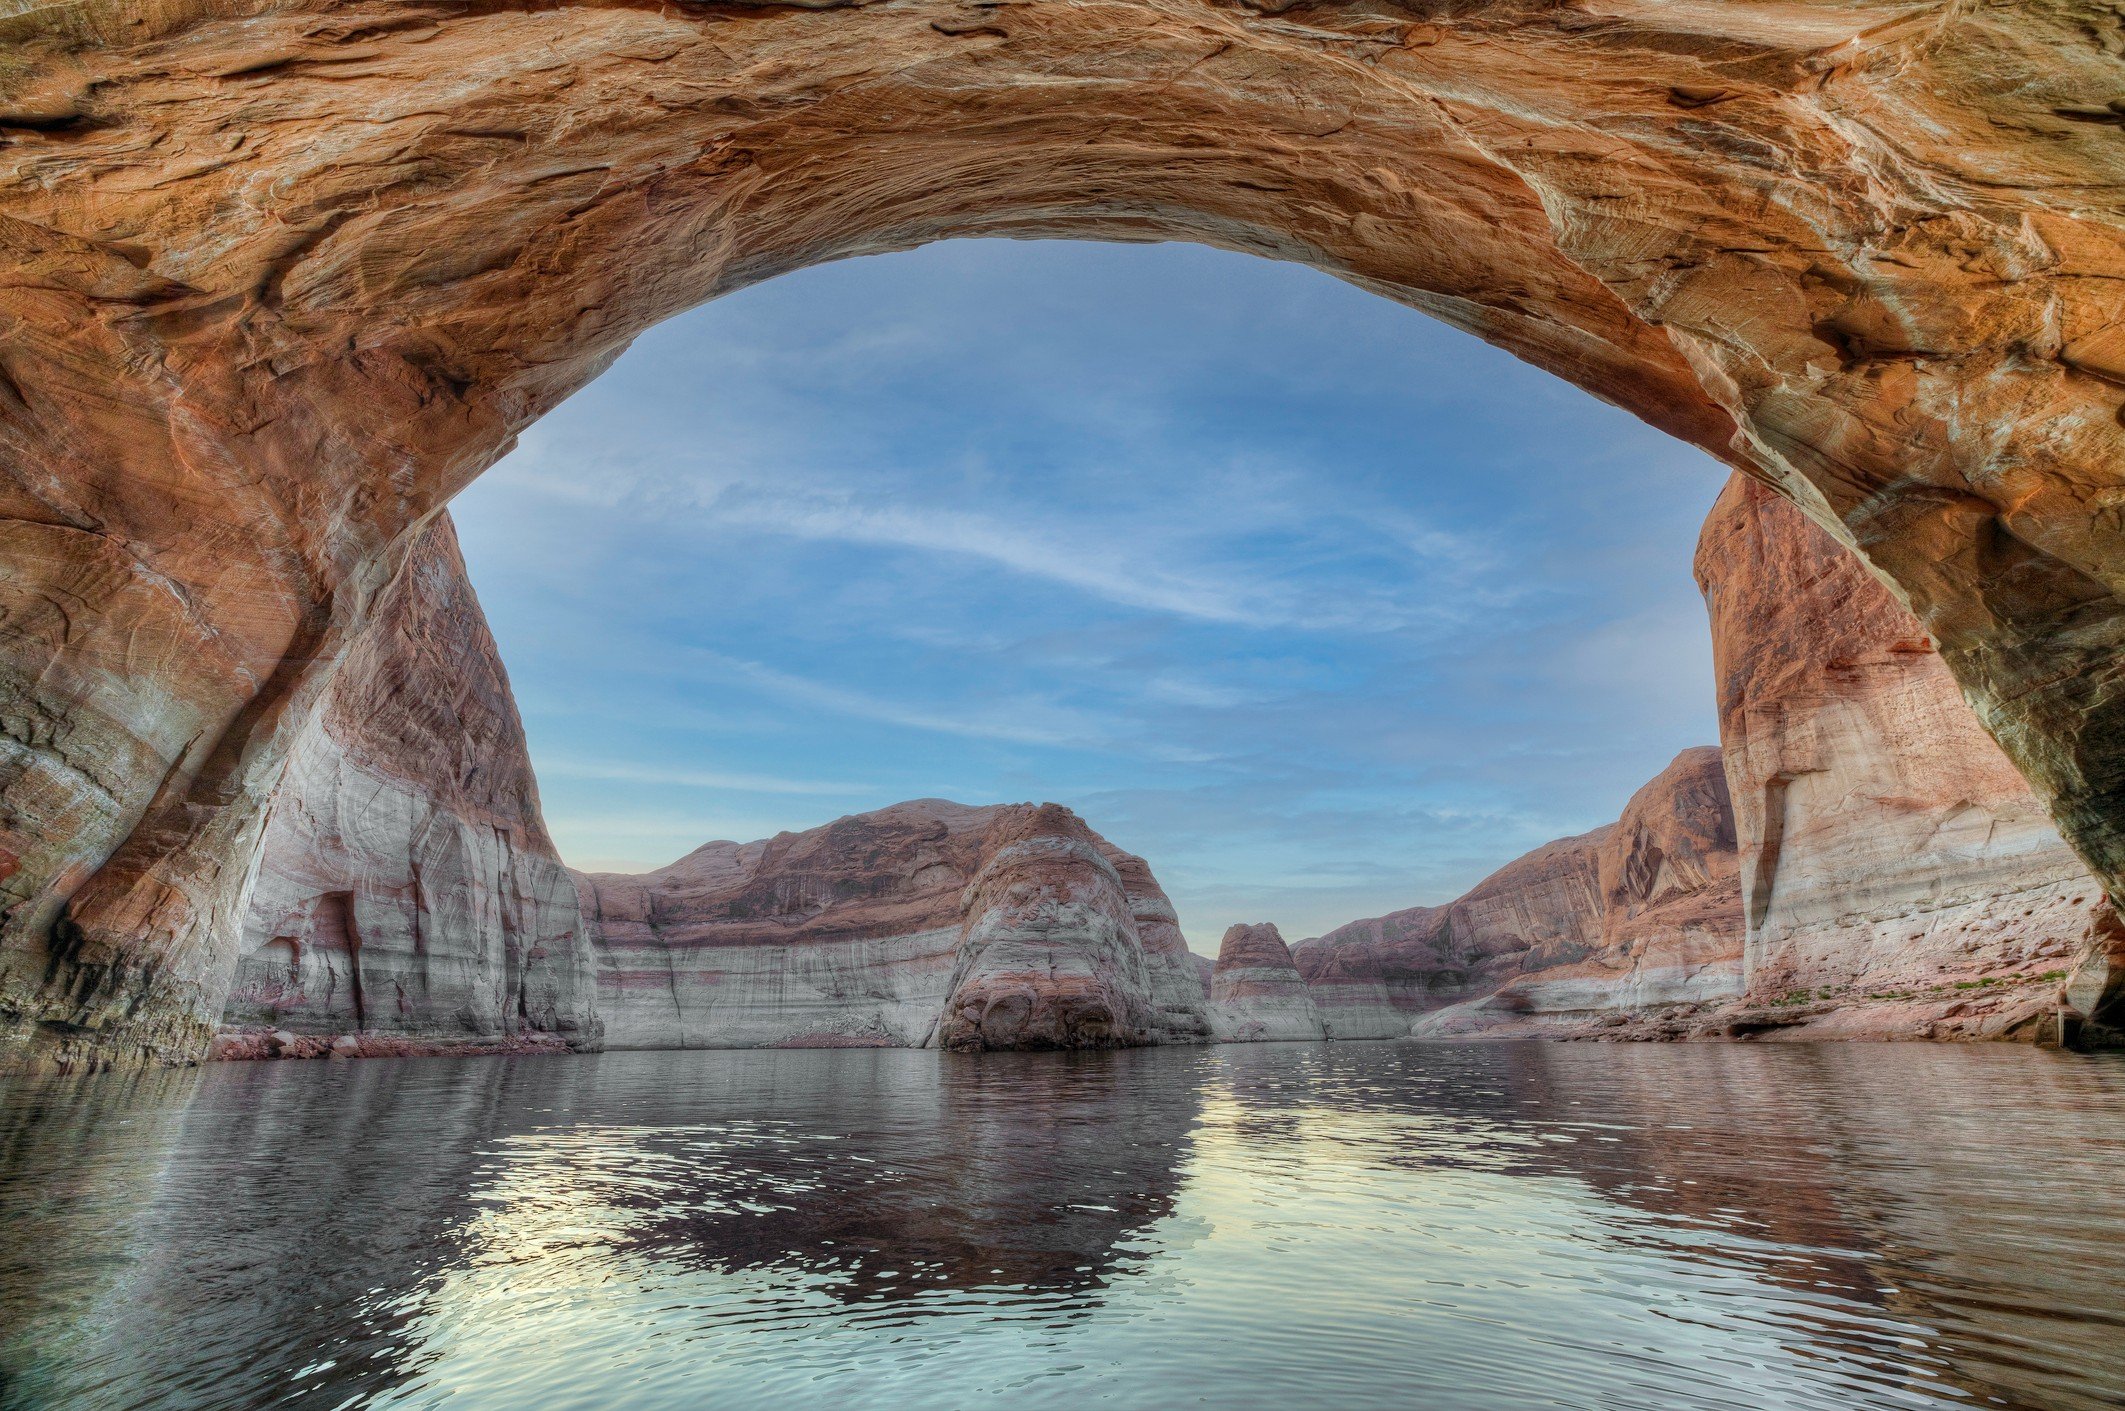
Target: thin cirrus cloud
[(1323, 608), (1195, 570), (728, 782), (1026, 721), (1157, 572), (1102, 569)]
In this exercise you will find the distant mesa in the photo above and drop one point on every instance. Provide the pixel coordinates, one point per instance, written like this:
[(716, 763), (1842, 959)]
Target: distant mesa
[(926, 923)]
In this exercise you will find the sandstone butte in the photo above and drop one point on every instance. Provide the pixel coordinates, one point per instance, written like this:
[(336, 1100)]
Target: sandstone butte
[(282, 276), (1256, 993), (927, 923)]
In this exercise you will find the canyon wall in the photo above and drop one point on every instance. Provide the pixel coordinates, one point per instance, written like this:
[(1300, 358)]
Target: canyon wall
[(1860, 859), (1371, 978), (408, 898), (1257, 994), (1641, 916), (1669, 919), (1892, 857), (1007, 926), (407, 895)]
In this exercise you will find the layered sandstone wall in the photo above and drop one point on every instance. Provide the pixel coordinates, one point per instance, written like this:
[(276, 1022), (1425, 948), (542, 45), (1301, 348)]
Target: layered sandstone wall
[(1257, 994), (1638, 916), (1178, 985), (1007, 926), (1050, 956), (407, 892), (1371, 978), (1890, 851), (1859, 860)]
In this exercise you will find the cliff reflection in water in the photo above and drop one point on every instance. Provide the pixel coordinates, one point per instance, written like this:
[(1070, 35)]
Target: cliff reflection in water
[(1277, 1225)]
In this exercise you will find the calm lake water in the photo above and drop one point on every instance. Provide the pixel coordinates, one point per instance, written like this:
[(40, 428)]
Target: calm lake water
[(1273, 1226)]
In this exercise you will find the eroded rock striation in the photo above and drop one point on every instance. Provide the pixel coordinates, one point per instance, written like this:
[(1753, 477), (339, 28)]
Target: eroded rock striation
[(1371, 978), (1859, 860), (1894, 863), (1006, 926), (280, 279), (1173, 974), (1257, 994), (1050, 957), (408, 897), (1637, 917)]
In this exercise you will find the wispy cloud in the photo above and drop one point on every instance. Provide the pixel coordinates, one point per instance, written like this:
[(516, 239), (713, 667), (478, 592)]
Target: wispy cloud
[(1028, 720), (1104, 564), (738, 782), (1257, 551)]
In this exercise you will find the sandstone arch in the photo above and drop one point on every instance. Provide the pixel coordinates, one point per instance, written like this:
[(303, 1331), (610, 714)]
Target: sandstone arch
[(281, 276)]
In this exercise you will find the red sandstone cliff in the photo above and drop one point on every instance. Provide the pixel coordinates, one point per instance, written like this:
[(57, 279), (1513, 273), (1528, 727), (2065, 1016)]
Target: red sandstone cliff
[(1372, 977), (1882, 870), (281, 278), (1891, 853), (925, 923), (407, 891), (1641, 914)]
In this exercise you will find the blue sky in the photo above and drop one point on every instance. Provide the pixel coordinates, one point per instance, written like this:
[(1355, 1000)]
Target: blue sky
[(1325, 608)]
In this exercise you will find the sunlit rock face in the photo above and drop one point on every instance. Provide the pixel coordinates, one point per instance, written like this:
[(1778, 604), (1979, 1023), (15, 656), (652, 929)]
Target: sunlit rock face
[(929, 922), (1890, 851), (281, 278), (1256, 992), (1640, 915), (407, 892)]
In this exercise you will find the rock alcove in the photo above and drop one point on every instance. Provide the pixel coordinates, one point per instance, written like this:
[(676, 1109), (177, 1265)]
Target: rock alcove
[(284, 277)]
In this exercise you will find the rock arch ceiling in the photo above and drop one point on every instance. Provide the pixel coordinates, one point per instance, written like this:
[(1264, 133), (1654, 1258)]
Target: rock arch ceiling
[(281, 278)]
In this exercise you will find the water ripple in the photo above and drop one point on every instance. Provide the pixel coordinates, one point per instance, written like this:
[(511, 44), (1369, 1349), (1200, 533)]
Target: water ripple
[(1272, 1226)]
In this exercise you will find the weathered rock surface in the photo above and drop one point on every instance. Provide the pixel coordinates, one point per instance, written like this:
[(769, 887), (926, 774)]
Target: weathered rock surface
[(1891, 852), (1008, 926), (1898, 876), (408, 896), (1637, 916), (1371, 978), (1050, 957), (1256, 992), (280, 279), (1178, 986)]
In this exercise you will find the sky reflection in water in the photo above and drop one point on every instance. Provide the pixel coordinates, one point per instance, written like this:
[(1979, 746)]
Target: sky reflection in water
[(1267, 1226)]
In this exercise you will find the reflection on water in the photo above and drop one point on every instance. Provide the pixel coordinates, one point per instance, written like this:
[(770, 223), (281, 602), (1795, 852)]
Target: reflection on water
[(1257, 1226)]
